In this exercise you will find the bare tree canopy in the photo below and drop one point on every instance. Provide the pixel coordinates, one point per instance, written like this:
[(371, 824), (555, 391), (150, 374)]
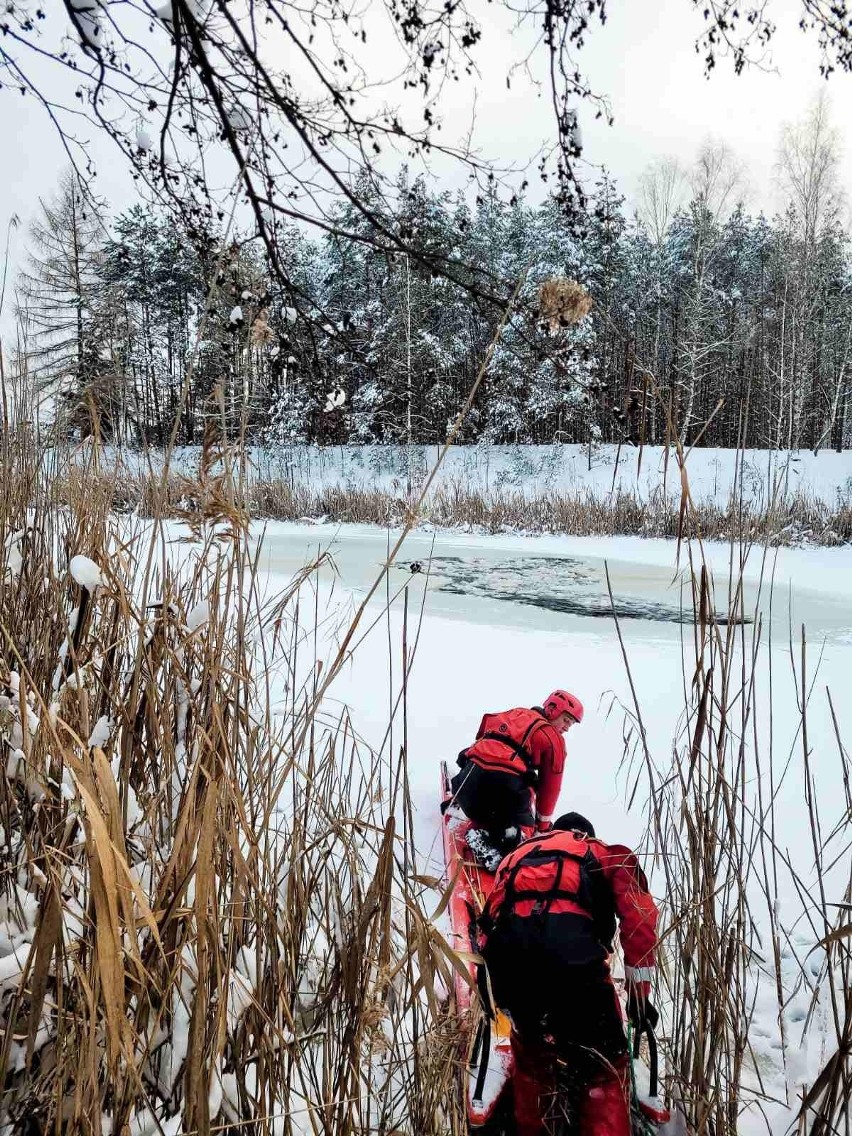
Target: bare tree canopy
[(745, 31), (661, 191), (319, 102), (717, 179), (809, 168), (314, 104)]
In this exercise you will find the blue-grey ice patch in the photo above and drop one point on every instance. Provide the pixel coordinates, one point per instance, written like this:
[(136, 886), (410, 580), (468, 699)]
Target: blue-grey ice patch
[(554, 583)]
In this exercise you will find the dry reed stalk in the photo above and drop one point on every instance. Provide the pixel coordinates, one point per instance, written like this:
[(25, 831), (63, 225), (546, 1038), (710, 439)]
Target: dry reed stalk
[(217, 921), (713, 837), (581, 513)]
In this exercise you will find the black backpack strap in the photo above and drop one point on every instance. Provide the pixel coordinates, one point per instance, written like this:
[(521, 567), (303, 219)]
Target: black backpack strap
[(555, 892), (516, 747), (598, 899), (653, 1058), (480, 1056), (514, 894)]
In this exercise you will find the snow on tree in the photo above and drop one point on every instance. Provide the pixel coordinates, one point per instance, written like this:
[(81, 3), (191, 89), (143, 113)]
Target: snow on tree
[(61, 310), (697, 316)]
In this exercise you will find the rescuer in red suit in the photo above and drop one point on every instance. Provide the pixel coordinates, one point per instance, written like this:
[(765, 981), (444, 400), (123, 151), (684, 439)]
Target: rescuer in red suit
[(547, 932), (510, 777)]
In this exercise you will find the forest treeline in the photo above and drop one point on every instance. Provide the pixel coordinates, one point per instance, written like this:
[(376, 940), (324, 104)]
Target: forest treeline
[(725, 325)]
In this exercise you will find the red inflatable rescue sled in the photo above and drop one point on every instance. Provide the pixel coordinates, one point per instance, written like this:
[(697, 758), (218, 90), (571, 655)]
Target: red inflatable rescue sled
[(488, 1053)]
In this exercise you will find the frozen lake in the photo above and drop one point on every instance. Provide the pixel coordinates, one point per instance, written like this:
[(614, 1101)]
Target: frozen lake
[(558, 584), (506, 619)]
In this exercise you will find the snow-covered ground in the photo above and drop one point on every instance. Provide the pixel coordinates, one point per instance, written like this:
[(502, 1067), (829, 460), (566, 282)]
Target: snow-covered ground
[(826, 476), (508, 618), (491, 636)]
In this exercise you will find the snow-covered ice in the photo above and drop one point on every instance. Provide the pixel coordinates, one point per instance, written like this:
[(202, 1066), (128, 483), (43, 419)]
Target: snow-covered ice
[(481, 646)]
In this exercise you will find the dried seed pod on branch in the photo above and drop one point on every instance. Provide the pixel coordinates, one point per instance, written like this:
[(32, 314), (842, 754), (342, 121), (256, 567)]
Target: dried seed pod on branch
[(563, 302)]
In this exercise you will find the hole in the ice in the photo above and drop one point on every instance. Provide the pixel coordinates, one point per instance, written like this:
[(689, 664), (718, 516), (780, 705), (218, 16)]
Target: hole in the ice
[(551, 583)]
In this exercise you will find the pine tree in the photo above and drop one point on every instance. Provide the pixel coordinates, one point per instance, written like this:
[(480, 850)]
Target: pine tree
[(65, 322), (155, 285), (734, 327)]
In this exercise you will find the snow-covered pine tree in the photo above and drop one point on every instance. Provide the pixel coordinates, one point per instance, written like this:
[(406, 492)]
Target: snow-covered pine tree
[(618, 272), (65, 327), (540, 376), (296, 359), (156, 287)]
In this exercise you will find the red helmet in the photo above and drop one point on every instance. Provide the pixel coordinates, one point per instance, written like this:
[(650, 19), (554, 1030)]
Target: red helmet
[(561, 702)]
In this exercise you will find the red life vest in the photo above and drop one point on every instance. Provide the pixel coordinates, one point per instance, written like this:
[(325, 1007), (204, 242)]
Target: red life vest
[(503, 742), (555, 873)]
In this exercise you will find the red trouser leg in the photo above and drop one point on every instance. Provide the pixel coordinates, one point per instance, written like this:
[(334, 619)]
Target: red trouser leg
[(533, 1080), (605, 1106)]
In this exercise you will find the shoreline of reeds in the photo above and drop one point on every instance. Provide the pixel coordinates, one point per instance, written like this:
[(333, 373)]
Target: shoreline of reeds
[(210, 914), (213, 904), (795, 520)]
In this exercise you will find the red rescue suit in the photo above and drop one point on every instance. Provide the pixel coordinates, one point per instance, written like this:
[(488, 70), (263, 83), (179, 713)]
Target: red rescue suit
[(548, 929), (523, 743)]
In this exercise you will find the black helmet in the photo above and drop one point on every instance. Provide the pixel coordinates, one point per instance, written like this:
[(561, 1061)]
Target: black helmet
[(574, 822)]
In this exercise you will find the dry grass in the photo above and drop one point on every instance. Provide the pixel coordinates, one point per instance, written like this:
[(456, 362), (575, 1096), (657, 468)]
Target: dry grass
[(794, 520), (728, 864), (209, 888), (213, 918)]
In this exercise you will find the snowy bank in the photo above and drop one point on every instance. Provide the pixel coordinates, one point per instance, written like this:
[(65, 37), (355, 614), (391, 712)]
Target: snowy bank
[(604, 470)]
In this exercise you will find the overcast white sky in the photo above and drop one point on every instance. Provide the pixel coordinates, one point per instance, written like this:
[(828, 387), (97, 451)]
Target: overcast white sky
[(663, 104), (643, 59)]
